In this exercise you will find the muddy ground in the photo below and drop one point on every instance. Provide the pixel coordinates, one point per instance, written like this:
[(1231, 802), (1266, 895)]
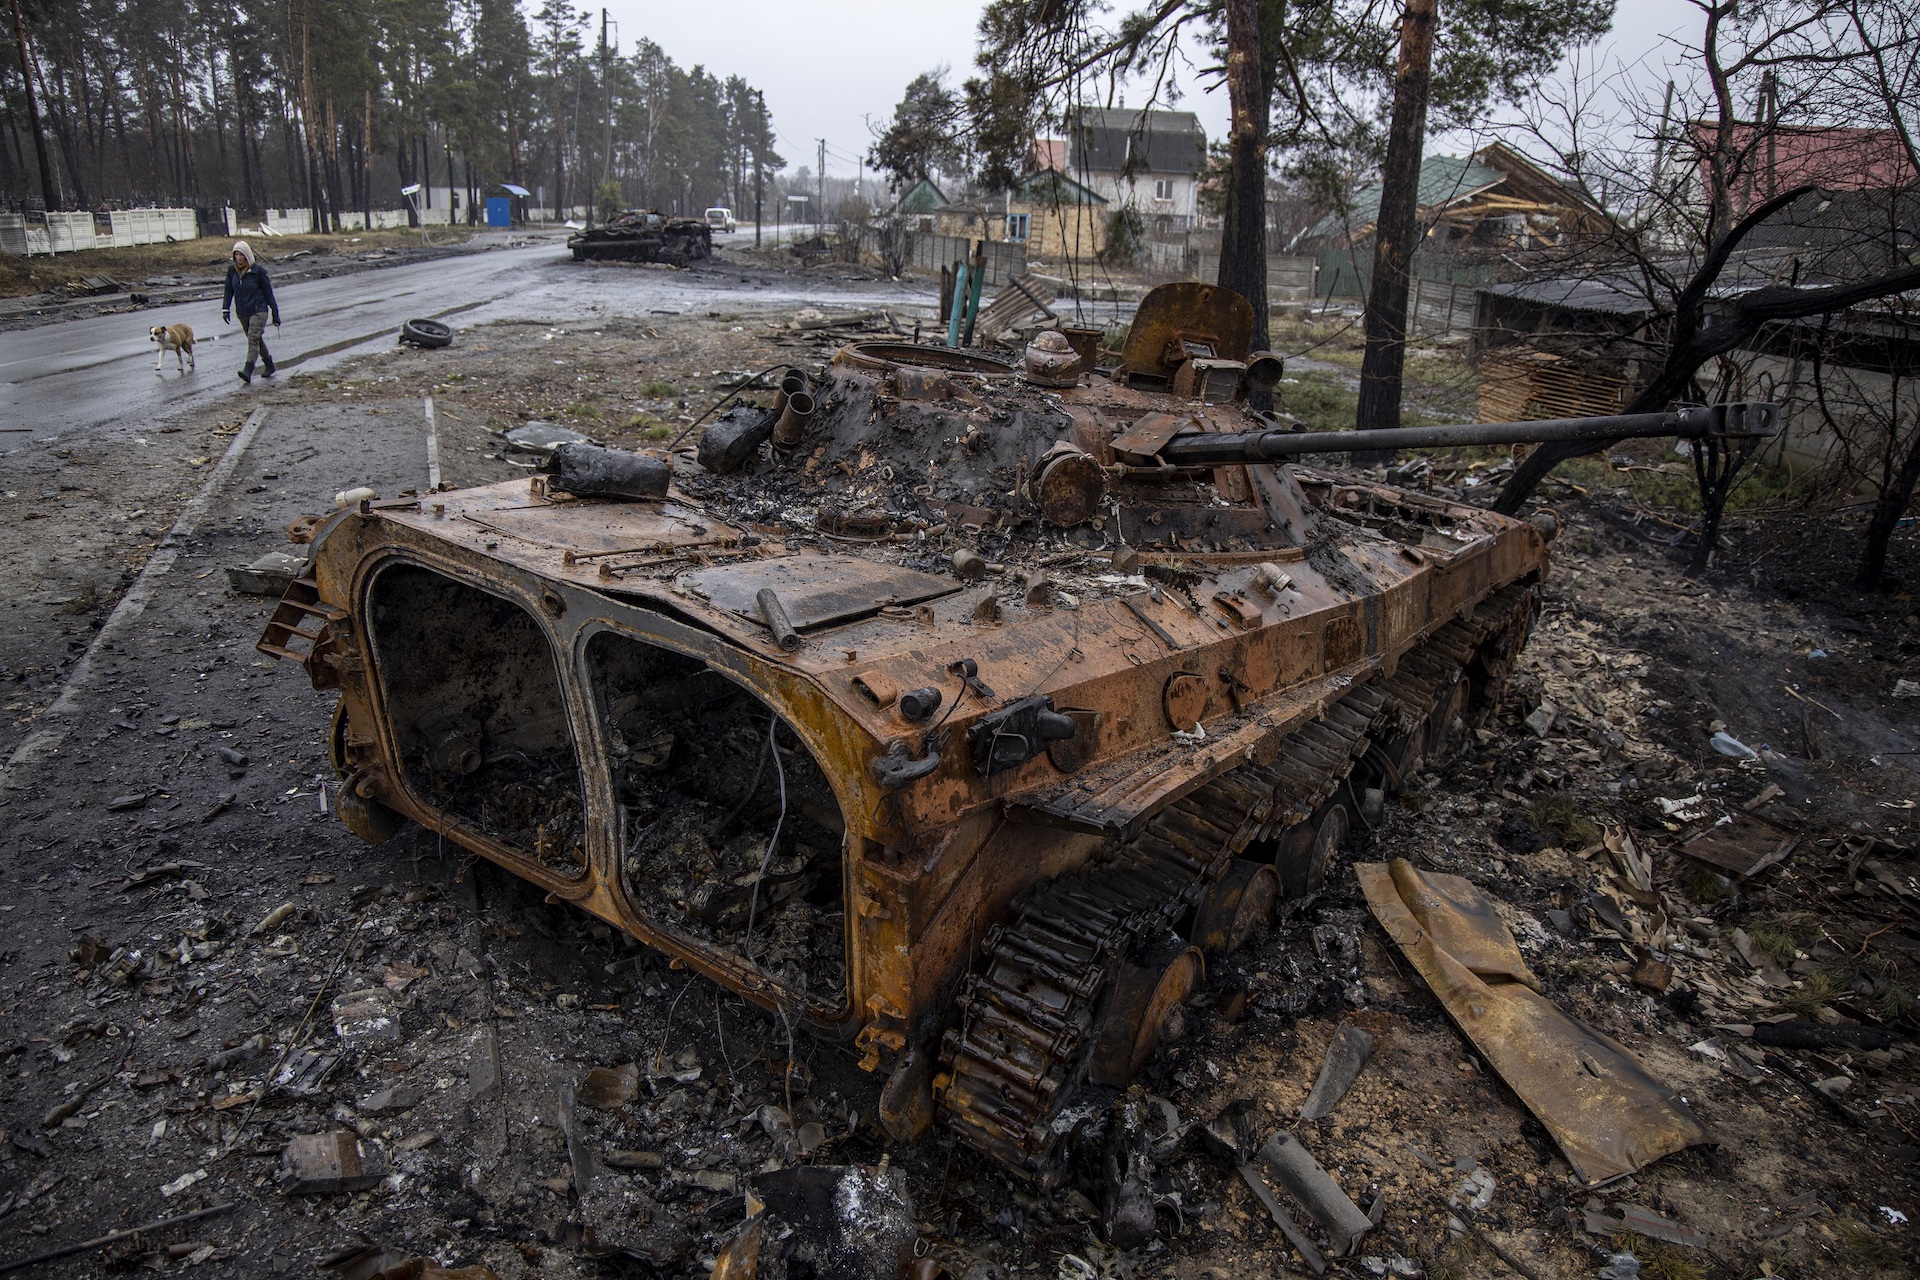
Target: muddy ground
[(180, 915)]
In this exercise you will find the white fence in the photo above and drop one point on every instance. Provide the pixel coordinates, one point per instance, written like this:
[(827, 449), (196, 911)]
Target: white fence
[(125, 228), (118, 229), (287, 222)]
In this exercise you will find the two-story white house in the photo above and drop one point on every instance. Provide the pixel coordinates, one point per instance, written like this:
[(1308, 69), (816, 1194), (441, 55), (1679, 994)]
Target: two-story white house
[(1151, 161)]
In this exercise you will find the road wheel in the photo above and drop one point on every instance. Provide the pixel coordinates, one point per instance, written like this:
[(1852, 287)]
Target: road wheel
[(1235, 905), (426, 333), (1407, 754), (1444, 721), (364, 814), (1308, 848), (1145, 1007)]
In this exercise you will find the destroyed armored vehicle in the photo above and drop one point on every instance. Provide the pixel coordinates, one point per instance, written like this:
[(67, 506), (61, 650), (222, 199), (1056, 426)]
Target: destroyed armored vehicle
[(645, 235), (954, 708)]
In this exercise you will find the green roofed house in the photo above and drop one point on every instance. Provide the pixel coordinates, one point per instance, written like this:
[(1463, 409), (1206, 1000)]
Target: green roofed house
[(1495, 199), (919, 203)]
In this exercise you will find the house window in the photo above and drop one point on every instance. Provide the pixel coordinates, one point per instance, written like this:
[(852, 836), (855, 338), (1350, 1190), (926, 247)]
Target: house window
[(1163, 188), (1017, 225)]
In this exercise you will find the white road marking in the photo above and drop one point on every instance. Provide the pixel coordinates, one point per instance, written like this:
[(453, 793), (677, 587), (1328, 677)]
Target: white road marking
[(47, 739), (433, 449)]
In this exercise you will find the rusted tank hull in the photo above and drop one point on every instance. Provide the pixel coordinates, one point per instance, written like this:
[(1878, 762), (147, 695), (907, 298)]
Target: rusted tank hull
[(971, 765), (921, 865)]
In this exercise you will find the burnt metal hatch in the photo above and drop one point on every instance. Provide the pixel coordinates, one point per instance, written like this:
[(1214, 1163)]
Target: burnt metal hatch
[(815, 590), (602, 528)]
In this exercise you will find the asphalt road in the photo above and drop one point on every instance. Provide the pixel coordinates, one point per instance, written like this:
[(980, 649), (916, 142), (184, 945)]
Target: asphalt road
[(96, 375)]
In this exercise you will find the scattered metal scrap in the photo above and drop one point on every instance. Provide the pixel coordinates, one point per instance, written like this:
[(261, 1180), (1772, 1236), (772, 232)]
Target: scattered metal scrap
[(1608, 1114), (1345, 1056), (114, 1237)]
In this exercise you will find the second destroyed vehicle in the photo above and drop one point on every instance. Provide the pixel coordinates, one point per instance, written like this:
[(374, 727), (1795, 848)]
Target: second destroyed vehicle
[(956, 709), (645, 235)]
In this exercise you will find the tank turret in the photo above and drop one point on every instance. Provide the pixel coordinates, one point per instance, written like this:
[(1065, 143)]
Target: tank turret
[(957, 707)]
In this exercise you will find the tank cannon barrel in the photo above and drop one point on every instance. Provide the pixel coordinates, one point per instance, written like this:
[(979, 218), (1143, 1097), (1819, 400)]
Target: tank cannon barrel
[(1742, 420)]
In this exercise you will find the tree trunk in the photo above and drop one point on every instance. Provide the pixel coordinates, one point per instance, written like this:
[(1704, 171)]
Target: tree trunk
[(1395, 231), (1243, 236), (366, 161), (70, 150), (48, 192), (126, 148), (1890, 507)]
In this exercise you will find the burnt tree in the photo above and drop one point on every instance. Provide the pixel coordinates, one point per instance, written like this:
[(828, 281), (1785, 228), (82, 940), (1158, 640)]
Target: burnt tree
[(1243, 234), (1395, 231)]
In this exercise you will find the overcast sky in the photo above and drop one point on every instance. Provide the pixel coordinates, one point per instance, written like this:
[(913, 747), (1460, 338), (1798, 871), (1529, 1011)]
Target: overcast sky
[(828, 67)]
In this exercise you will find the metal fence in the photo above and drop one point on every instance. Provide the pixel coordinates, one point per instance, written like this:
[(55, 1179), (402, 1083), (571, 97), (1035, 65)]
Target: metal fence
[(1289, 279), (1444, 296), (929, 252)]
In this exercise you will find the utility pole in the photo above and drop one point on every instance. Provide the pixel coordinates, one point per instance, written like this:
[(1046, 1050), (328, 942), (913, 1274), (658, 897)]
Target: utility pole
[(820, 185), (50, 194), (1394, 229), (606, 91)]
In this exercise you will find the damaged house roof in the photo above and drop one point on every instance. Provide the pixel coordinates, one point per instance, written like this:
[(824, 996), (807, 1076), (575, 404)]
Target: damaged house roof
[(1822, 238), (1122, 140), (1495, 182)]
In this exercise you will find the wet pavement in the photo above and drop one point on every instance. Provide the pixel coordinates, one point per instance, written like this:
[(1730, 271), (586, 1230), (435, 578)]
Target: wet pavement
[(97, 374)]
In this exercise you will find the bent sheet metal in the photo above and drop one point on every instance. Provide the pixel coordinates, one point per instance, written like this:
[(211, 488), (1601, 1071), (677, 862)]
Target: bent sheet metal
[(1608, 1114)]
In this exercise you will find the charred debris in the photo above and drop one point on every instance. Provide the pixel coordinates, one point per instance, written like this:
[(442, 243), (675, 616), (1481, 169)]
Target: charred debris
[(965, 711)]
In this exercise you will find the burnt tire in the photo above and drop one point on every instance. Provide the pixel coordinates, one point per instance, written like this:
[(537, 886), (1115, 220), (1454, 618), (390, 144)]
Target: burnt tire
[(430, 334)]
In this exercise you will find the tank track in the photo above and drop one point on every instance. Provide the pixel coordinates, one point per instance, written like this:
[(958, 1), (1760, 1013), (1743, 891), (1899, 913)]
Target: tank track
[(1028, 1015)]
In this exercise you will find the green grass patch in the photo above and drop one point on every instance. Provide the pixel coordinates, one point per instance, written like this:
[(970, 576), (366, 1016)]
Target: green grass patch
[(583, 409), (1661, 1261), (1320, 400), (657, 390), (649, 427), (1565, 817), (1864, 1246), (1814, 990)]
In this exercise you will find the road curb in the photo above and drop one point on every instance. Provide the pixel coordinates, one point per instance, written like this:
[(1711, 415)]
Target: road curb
[(46, 739)]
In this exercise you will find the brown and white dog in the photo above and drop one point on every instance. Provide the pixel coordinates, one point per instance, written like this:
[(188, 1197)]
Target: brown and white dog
[(177, 338)]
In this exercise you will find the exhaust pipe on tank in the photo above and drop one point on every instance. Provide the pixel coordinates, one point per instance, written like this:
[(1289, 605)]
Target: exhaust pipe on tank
[(791, 383), (791, 426), (1264, 370)]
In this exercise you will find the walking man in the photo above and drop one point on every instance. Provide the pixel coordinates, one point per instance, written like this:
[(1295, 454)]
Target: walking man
[(249, 288)]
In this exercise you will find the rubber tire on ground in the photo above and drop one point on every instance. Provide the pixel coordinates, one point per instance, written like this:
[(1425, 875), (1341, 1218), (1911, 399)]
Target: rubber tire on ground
[(430, 334)]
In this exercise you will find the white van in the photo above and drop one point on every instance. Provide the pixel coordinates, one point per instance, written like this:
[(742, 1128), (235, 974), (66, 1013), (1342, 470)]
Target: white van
[(720, 219)]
